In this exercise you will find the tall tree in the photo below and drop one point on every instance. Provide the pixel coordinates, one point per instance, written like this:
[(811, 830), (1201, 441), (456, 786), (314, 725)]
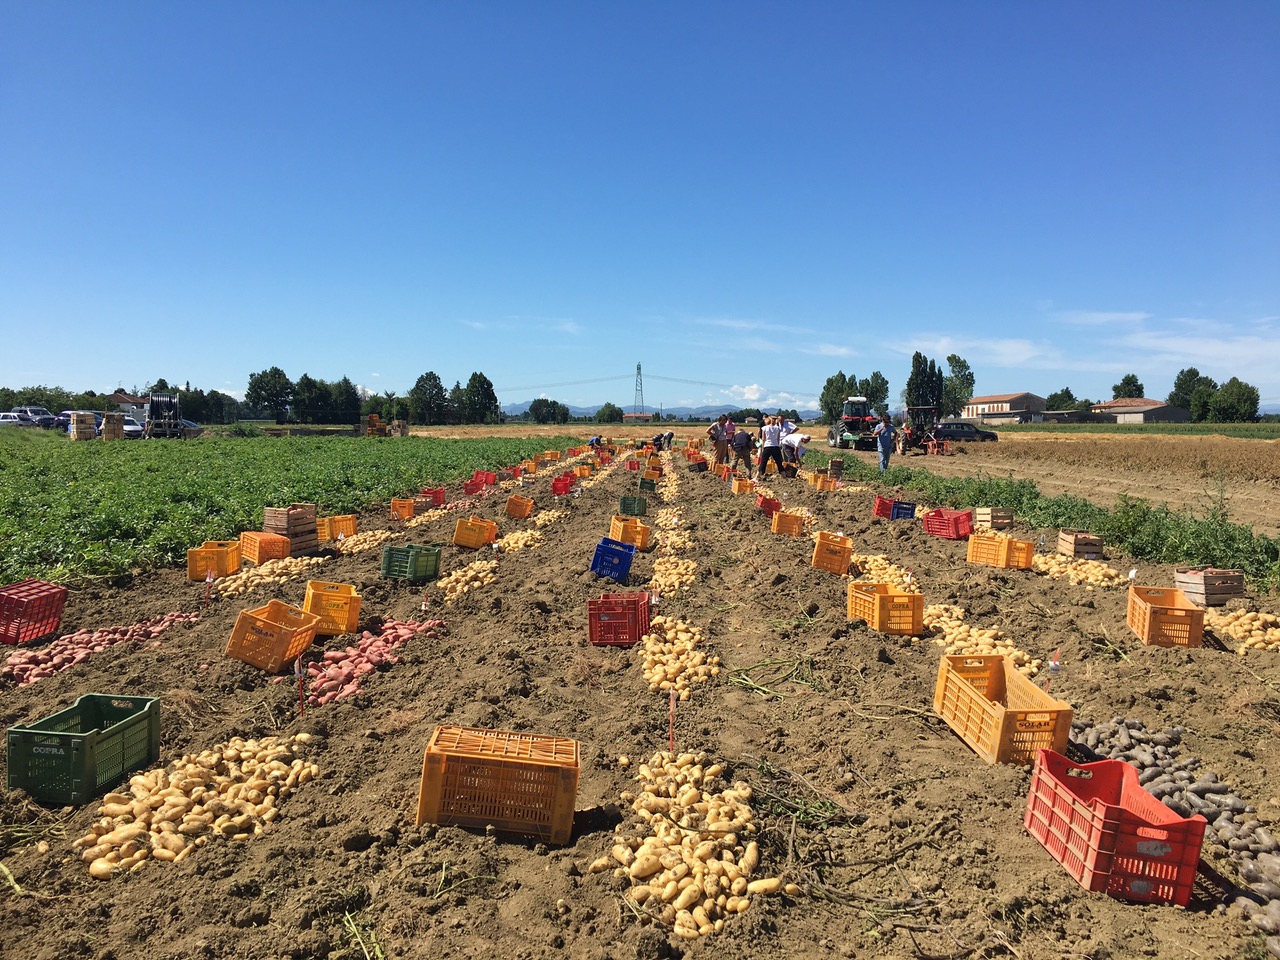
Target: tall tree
[(542, 410), (427, 400), (309, 396), (831, 399), (457, 404), (957, 387), (344, 401), (480, 401), (1185, 384), (876, 389), (1201, 398), (1129, 387), (1062, 399), (609, 413), (925, 384), (1235, 402), (270, 392)]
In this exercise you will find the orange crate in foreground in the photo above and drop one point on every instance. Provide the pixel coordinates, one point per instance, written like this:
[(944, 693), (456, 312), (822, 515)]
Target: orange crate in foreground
[(473, 533), (519, 782), (629, 530), (257, 547), (1164, 617), (273, 636), (832, 552), (997, 711), (518, 506), (886, 609), (1109, 833), (336, 604)]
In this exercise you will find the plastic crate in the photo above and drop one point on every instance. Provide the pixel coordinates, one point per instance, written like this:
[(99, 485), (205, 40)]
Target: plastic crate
[(1164, 617), (1109, 833), (1077, 543), (826, 484), (401, 509), (612, 559), (633, 464), (832, 552), (473, 533), (997, 711), (630, 530), (273, 636), (769, 505), (883, 508), (902, 510), (651, 486), (521, 783), (561, 486), (633, 506), (997, 518), (342, 525), (336, 604), (519, 507), (30, 609), (255, 547), (1000, 552), (435, 493), (618, 619), (886, 609), (948, 524), (582, 470), (787, 524), (698, 466), (81, 752), (472, 487), (742, 485), (651, 474), (222, 557), (413, 563)]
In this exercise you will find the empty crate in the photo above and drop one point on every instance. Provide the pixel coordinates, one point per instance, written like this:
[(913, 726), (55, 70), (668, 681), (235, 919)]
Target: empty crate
[(1077, 543), (997, 711), (30, 609), (787, 524), (473, 533), (1164, 617), (402, 508), (336, 604), (219, 557), (257, 547), (832, 552), (519, 507), (413, 563), (886, 609), (948, 524), (633, 506), (629, 530), (997, 518), (612, 559), (1001, 552), (618, 619), (273, 636), (518, 782)]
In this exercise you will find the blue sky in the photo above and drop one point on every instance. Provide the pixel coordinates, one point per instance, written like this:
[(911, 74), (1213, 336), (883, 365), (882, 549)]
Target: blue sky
[(744, 197)]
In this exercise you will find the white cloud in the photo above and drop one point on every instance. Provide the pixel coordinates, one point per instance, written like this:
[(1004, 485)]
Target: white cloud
[(828, 350), (732, 324), (568, 326), (375, 375), (1100, 318)]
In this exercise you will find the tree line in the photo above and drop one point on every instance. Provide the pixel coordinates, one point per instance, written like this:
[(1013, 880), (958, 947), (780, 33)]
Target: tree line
[(1208, 401), (428, 403), (927, 387)]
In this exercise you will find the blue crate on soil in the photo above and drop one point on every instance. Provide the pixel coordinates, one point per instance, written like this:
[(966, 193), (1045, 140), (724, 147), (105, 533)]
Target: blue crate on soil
[(902, 510), (613, 559)]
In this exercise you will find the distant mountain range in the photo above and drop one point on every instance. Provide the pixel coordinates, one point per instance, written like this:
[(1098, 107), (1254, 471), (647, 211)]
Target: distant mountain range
[(676, 413)]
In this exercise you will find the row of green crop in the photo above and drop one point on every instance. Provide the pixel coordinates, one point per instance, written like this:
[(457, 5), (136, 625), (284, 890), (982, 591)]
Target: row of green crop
[(1139, 528), (107, 509)]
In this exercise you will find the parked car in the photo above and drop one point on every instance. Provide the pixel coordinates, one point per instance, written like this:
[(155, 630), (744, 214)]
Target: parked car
[(41, 416), (63, 420), (132, 429), (191, 429), (16, 420), (959, 430)]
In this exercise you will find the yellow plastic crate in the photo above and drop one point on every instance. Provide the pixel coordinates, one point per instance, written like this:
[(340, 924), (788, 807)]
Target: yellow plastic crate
[(222, 557), (1001, 552), (629, 530), (401, 509), (787, 524), (832, 552), (886, 609), (272, 636), (336, 604)]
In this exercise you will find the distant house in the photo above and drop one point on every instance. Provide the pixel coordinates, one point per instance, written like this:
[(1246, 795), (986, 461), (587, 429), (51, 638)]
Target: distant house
[(1004, 406), (637, 418), (130, 405), (1142, 410)]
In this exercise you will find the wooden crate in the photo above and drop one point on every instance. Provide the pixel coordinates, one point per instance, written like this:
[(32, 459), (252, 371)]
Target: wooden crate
[(1078, 544), (1209, 587), (997, 518)]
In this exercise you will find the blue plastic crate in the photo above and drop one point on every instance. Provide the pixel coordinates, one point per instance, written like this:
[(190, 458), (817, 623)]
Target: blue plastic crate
[(902, 510), (612, 559)]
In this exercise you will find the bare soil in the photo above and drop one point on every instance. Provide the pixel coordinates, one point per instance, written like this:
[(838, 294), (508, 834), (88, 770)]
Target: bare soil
[(933, 860)]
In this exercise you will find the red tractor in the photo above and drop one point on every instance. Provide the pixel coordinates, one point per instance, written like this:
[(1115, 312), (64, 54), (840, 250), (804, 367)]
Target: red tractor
[(854, 427)]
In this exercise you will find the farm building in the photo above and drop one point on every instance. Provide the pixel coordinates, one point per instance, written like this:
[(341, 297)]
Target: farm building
[(129, 405), (637, 418), (1142, 410), (1004, 406)]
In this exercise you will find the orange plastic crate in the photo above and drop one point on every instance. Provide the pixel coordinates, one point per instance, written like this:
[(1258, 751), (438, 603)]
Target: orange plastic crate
[(1001, 552), (474, 533), (273, 636), (886, 609), (787, 524), (519, 507), (1164, 617), (742, 485), (832, 552), (517, 782), (401, 509), (825, 484), (1109, 833), (997, 711), (582, 470), (336, 604), (551, 455), (222, 557), (256, 547), (629, 530), (342, 525), (651, 475)]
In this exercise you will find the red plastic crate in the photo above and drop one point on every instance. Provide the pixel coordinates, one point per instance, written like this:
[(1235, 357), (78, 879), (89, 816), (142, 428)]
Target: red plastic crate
[(618, 619), (472, 487), (1109, 833), (769, 505), (30, 609), (883, 507), (949, 524), (436, 494), (633, 465), (560, 486)]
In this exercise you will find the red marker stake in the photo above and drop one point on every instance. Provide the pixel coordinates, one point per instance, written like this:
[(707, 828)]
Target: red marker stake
[(208, 587)]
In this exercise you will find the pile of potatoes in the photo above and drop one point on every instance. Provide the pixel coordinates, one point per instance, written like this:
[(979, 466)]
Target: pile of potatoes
[(671, 658), (671, 574), (1254, 629), (689, 860), (1090, 573), (365, 540), (940, 617), (473, 576), (268, 572), (518, 540), (876, 568), (545, 518), (960, 639), (232, 791), (429, 516), (31, 666)]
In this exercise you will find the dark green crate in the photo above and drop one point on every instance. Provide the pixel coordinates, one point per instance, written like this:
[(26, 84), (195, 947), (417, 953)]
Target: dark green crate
[(633, 506), (413, 563), (650, 485), (83, 751)]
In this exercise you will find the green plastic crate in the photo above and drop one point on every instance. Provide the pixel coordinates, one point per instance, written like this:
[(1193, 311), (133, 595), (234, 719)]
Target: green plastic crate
[(83, 751), (634, 506), (650, 485), (413, 563)]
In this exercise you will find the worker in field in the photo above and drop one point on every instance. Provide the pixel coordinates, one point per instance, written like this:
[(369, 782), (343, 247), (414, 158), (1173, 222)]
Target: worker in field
[(883, 434), (793, 446), (717, 435), (743, 446)]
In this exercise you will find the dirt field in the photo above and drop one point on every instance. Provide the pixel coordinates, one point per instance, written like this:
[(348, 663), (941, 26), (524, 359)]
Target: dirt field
[(922, 853)]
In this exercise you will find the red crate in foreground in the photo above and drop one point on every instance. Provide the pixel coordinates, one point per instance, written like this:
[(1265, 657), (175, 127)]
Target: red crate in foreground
[(30, 609), (1109, 833), (519, 782), (618, 619), (948, 524)]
